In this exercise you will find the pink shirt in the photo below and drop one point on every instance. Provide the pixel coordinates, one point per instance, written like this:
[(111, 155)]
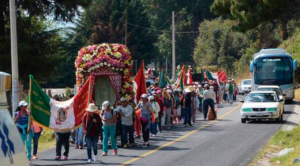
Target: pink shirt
[(36, 127)]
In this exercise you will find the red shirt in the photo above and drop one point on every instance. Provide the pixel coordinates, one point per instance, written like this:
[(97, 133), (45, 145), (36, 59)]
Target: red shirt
[(94, 128)]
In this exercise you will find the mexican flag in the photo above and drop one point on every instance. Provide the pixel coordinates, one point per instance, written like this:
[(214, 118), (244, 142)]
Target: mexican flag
[(57, 115)]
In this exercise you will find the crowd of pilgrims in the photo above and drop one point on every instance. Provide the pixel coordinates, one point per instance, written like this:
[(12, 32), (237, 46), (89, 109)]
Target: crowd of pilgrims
[(156, 112)]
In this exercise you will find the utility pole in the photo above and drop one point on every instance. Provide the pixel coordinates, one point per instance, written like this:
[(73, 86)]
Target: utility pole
[(14, 56), (173, 46), (126, 25)]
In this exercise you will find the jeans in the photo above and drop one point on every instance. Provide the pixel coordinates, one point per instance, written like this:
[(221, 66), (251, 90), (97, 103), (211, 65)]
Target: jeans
[(125, 131), (188, 115), (146, 131), (154, 127), (79, 136), (159, 121), (230, 98), (27, 142), (62, 139), (36, 137), (210, 103), (111, 131), (168, 117), (91, 142)]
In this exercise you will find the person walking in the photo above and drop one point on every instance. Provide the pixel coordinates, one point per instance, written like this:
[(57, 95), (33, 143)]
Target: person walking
[(146, 111), (79, 138), (168, 105), (92, 126), (177, 107), (62, 139), (195, 105), (187, 105), (126, 112), (209, 100), (221, 92), (156, 109), (23, 121), (229, 89), (36, 136), (161, 112), (109, 119)]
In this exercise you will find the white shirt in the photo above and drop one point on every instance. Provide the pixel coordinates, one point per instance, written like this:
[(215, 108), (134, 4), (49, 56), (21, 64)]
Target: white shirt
[(156, 108), (209, 94), (127, 111)]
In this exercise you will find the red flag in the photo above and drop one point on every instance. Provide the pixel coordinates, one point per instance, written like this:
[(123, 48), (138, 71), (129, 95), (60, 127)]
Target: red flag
[(81, 101), (140, 81), (190, 78), (222, 77), (219, 72)]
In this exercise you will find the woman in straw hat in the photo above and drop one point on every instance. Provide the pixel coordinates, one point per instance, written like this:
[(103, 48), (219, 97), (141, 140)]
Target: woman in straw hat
[(109, 119), (187, 105), (91, 124)]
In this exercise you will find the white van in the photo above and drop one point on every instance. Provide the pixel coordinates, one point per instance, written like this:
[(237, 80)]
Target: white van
[(12, 152), (245, 86)]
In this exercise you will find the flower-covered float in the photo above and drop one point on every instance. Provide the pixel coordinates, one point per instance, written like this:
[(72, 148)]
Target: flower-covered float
[(110, 66)]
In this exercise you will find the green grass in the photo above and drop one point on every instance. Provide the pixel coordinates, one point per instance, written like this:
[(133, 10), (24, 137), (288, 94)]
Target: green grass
[(281, 140), (46, 141)]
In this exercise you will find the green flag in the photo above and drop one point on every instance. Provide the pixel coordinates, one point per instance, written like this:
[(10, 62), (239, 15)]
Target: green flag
[(202, 76), (39, 104), (162, 80), (209, 76)]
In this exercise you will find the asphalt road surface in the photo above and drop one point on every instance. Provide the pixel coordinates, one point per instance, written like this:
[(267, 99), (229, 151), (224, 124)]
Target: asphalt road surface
[(226, 142)]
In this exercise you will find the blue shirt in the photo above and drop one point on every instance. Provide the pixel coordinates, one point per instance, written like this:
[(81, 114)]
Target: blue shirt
[(23, 120)]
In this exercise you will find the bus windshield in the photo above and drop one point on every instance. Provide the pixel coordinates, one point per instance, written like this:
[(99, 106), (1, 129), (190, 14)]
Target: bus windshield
[(273, 71)]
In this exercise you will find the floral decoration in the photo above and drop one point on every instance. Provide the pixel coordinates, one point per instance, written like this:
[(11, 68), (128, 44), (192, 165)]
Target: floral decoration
[(106, 57)]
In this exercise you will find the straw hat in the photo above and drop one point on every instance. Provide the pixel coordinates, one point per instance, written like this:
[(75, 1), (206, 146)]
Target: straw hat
[(189, 89), (92, 108)]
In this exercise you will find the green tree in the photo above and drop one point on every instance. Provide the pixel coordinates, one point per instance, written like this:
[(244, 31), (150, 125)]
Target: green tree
[(249, 14), (219, 44)]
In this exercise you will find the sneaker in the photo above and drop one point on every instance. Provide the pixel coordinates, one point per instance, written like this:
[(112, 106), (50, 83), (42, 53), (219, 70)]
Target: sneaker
[(95, 158), (57, 158), (138, 136), (125, 146), (89, 161), (153, 135), (144, 145), (130, 145), (190, 124), (76, 147), (147, 144), (65, 157), (104, 154), (34, 157), (80, 147), (115, 152)]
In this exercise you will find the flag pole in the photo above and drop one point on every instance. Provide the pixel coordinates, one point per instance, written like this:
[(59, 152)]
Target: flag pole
[(29, 105)]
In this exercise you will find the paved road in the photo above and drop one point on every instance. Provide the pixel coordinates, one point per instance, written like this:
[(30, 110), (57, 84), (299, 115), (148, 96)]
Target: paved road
[(226, 142)]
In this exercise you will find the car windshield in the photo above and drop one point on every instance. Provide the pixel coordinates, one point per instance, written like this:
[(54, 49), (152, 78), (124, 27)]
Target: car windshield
[(247, 82), (260, 98), (273, 71), (278, 92)]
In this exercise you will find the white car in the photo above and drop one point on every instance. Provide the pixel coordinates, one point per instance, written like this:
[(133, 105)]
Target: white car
[(262, 105), (245, 86), (274, 88)]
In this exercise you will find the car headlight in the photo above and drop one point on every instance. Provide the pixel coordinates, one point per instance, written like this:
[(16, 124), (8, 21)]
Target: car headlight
[(246, 109), (272, 109)]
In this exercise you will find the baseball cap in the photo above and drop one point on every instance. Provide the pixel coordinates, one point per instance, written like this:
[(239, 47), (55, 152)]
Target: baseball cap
[(23, 104), (105, 105)]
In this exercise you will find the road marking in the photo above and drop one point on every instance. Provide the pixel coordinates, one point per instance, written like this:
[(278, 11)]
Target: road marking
[(178, 139)]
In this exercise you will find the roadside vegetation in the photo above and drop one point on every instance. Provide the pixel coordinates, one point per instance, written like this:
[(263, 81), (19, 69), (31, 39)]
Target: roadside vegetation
[(281, 140), (46, 141)]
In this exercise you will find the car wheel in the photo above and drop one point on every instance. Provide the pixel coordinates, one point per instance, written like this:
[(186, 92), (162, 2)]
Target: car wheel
[(243, 120)]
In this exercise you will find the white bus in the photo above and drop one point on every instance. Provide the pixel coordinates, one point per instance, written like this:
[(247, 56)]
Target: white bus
[(274, 67)]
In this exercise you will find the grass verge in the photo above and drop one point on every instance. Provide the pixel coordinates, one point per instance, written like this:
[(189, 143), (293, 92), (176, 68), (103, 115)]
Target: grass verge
[(46, 141), (281, 140)]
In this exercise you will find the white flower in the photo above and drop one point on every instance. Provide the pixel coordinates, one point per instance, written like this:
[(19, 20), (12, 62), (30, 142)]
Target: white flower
[(113, 68), (121, 69), (101, 64), (105, 63), (117, 69), (108, 65)]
